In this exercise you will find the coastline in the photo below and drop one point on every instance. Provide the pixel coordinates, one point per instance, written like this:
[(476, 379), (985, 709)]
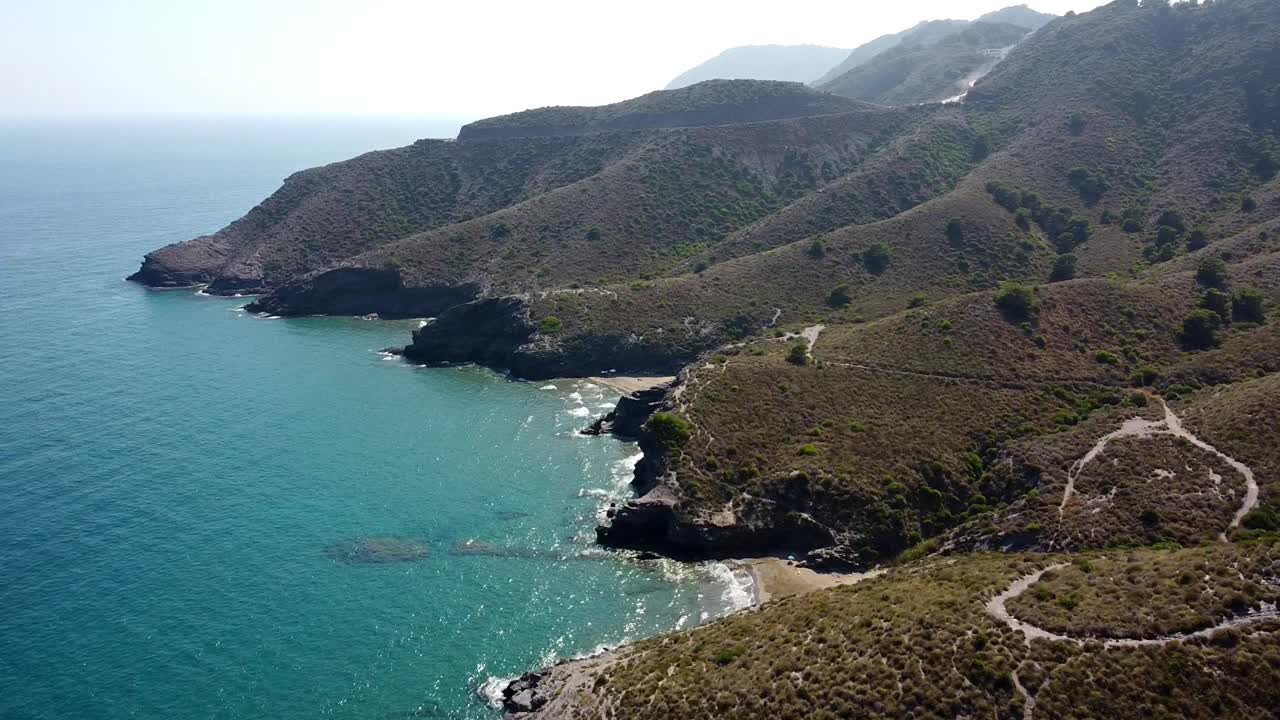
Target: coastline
[(631, 384), (773, 577)]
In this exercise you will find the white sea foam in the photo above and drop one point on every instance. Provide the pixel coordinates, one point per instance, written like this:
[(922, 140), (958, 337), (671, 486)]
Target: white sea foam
[(580, 411), (739, 588), (491, 690), (548, 387), (575, 395)]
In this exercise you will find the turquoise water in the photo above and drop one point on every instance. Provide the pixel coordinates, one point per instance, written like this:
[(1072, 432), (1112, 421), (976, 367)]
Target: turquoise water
[(173, 469)]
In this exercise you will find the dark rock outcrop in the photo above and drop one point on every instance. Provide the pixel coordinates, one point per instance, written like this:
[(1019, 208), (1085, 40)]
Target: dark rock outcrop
[(627, 418), (486, 332), (525, 694), (754, 527), (361, 291), (498, 332), (195, 262)]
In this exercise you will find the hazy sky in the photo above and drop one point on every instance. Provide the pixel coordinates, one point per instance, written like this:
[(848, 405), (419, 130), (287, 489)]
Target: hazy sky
[(461, 57)]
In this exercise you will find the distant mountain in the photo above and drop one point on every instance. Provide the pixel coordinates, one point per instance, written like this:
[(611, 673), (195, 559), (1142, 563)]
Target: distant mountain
[(924, 32), (932, 31), (797, 63), (1019, 15), (919, 71)]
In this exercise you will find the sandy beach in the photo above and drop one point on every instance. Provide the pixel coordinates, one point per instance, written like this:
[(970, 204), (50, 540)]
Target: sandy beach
[(776, 577), (628, 385)]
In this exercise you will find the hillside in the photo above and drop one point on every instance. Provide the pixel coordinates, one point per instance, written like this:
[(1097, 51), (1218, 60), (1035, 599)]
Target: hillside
[(953, 638), (324, 216), (929, 32), (1015, 358), (923, 71), (792, 63), (1019, 15), (712, 102), (925, 32)]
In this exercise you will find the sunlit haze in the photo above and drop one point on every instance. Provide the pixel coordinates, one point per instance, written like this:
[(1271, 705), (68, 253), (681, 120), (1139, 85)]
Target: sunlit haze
[(395, 56)]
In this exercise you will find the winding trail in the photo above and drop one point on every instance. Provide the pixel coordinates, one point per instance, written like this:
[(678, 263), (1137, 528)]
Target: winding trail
[(996, 608), (1170, 425)]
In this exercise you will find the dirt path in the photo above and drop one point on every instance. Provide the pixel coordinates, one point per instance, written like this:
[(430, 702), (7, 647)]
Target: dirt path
[(996, 608), (1170, 425)]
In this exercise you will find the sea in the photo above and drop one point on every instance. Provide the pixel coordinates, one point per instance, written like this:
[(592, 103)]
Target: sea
[(187, 490)]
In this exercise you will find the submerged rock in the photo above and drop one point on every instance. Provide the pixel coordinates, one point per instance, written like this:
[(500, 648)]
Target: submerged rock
[(376, 550)]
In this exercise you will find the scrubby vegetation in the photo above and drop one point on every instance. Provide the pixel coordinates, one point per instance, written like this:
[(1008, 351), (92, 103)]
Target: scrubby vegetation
[(871, 362), (919, 642)]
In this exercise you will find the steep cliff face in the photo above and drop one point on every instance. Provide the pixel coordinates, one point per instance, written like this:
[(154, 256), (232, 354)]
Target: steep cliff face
[(499, 332), (660, 520), (362, 291)]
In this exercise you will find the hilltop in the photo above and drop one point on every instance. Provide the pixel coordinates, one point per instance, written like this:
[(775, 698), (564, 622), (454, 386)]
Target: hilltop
[(712, 102), (794, 63), (929, 32), (917, 72)]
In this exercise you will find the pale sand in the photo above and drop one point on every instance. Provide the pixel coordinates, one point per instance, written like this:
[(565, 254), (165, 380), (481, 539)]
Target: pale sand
[(775, 578), (628, 385)]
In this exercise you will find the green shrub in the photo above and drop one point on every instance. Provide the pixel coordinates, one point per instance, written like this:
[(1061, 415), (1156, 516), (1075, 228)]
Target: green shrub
[(917, 300), (798, 355), (550, 325), (1106, 357), (1247, 306), (1144, 375), (1091, 185), (876, 258), (594, 234), (955, 231), (1267, 519), (839, 296), (1200, 329), (1017, 301), (1132, 225), (671, 430), (499, 231), (1248, 204), (724, 656), (1167, 235), (817, 249), (1173, 219), (1198, 238), (1064, 268), (1212, 272), (1217, 301), (809, 449), (1076, 122)]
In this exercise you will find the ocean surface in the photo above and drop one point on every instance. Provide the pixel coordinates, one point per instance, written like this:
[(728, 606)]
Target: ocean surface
[(176, 473)]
